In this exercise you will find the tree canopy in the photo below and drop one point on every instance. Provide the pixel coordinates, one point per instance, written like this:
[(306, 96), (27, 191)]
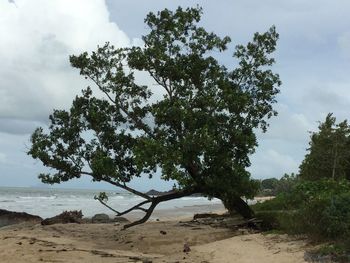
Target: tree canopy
[(195, 126), (329, 152)]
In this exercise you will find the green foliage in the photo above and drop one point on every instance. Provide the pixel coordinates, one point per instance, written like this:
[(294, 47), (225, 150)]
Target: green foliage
[(339, 252), (317, 202), (269, 184), (273, 186), (286, 184), (329, 152), (270, 219), (101, 196), (320, 209), (200, 133), (328, 216), (280, 202)]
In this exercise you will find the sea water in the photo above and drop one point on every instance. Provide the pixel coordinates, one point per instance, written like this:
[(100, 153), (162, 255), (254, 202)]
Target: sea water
[(50, 202)]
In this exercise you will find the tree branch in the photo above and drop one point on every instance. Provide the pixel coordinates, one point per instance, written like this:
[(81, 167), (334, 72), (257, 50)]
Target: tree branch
[(131, 190), (101, 88), (162, 84), (145, 218), (159, 199), (123, 186), (137, 122), (109, 207), (138, 206)]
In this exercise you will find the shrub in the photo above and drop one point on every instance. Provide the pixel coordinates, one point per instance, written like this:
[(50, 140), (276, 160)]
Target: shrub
[(320, 209), (328, 216)]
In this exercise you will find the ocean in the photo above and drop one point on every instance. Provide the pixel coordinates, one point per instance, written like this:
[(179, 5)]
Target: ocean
[(48, 202)]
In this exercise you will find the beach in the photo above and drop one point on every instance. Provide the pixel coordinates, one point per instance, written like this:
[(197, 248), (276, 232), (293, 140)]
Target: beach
[(159, 241), (171, 235)]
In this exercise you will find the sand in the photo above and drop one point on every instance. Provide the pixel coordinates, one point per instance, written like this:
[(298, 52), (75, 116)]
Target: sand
[(156, 242)]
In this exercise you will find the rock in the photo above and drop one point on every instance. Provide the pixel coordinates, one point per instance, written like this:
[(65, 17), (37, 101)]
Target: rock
[(186, 248), (64, 218), (10, 218), (121, 219), (162, 232), (100, 218)]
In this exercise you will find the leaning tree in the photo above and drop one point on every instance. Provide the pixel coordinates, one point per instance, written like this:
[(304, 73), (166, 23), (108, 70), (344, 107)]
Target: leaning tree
[(195, 125)]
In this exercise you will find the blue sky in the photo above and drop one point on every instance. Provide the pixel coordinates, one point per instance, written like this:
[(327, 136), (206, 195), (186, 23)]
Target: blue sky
[(313, 59)]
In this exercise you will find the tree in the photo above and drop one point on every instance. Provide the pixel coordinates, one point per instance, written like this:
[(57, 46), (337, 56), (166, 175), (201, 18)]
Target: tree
[(269, 184), (286, 184), (329, 152), (274, 186), (200, 133)]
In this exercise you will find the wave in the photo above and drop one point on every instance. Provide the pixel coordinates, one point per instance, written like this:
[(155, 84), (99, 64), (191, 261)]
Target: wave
[(37, 197), (7, 201), (117, 197)]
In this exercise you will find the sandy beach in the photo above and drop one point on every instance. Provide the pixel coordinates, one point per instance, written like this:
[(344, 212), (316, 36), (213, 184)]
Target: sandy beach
[(161, 241)]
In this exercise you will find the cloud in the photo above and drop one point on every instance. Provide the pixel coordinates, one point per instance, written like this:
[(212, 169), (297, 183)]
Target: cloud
[(271, 163), (16, 126), (37, 38), (288, 125), (2, 157), (343, 42)]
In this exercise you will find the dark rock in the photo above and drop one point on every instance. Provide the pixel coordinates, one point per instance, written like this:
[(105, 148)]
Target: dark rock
[(186, 248), (100, 218), (162, 232), (64, 218), (10, 218)]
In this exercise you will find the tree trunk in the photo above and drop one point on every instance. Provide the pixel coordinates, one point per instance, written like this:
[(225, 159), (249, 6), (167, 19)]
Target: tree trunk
[(237, 204)]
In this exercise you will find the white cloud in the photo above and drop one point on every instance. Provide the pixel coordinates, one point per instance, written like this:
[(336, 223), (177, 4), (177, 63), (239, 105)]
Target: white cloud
[(344, 44), (36, 39), (3, 158), (270, 163), (38, 35), (288, 125)]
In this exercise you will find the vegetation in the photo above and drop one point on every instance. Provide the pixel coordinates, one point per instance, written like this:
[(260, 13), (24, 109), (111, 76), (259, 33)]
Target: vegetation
[(196, 126), (318, 202), (329, 152), (274, 186)]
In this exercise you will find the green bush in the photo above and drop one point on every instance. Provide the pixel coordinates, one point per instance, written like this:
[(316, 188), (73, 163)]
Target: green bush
[(320, 209), (328, 216), (277, 203)]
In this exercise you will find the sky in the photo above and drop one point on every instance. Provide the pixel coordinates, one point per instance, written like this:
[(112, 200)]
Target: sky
[(37, 36)]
